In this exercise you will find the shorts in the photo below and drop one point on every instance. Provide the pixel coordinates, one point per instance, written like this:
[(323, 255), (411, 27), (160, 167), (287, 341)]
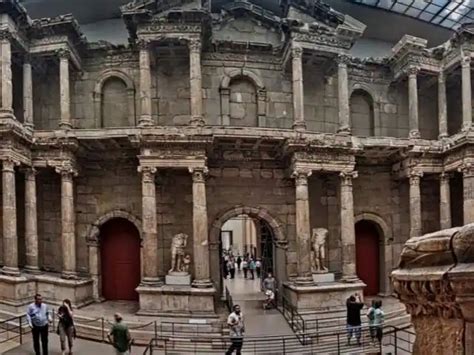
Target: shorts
[(354, 330)]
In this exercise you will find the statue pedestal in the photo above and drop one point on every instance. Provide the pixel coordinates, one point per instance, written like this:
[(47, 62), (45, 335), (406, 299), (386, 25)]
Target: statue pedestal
[(323, 277), (178, 279)]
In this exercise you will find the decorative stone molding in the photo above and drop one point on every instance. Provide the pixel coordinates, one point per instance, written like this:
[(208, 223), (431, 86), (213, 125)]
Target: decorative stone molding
[(414, 176), (148, 173), (296, 52), (301, 176), (467, 169), (347, 176), (195, 45), (199, 174)]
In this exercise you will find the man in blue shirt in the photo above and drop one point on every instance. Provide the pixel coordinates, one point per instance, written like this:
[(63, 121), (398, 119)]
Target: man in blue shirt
[(39, 317)]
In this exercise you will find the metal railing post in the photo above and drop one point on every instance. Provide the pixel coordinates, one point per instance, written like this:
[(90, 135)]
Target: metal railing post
[(338, 345), (284, 346), (21, 330), (395, 345), (102, 329), (155, 329)]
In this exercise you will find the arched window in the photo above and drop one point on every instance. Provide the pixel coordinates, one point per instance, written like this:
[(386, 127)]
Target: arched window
[(362, 113)]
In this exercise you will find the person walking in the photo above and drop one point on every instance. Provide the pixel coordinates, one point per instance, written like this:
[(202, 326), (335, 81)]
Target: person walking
[(258, 267), (231, 267), (235, 321), (252, 268), (119, 336), (245, 267), (376, 319), (239, 262), (38, 316), (269, 283), (66, 327), (354, 306), (225, 271)]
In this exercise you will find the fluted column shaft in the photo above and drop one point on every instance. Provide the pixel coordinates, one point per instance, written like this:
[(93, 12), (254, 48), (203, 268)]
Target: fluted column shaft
[(27, 94), (444, 202), (150, 235), (145, 85), (31, 224), (64, 89), (195, 78), (298, 90), (415, 204), (343, 95), (6, 66), (413, 103), (468, 194), (466, 93), (442, 106), (303, 228), (347, 227), (200, 230), (10, 236), (68, 221)]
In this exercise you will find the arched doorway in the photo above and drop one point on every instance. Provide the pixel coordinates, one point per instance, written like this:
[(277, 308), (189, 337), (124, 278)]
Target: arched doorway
[(120, 259), (368, 256)]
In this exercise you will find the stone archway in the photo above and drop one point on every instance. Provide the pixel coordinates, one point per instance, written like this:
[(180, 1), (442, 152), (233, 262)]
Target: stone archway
[(257, 213), (93, 244), (385, 248)]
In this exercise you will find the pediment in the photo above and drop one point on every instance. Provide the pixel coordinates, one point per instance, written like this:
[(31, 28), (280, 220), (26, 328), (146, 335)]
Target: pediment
[(154, 7)]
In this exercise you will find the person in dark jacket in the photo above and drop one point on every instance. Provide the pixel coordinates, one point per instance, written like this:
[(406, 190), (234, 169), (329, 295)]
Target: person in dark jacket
[(354, 306)]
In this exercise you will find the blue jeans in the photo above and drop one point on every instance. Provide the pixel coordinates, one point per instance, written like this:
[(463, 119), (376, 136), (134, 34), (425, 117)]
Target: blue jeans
[(353, 329)]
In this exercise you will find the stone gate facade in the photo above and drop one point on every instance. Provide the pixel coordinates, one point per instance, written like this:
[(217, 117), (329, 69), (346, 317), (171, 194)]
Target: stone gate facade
[(218, 108)]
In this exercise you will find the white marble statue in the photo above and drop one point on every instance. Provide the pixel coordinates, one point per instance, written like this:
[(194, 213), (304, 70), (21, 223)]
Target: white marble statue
[(318, 250), (178, 262)]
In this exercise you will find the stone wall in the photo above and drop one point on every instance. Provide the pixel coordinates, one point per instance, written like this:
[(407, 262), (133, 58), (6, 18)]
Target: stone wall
[(429, 201), (46, 96)]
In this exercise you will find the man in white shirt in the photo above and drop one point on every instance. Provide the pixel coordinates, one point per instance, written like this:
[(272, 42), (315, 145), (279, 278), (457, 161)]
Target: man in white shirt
[(235, 321), (39, 317)]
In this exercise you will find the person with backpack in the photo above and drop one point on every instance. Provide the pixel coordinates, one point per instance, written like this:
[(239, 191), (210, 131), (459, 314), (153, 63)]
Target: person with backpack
[(376, 319)]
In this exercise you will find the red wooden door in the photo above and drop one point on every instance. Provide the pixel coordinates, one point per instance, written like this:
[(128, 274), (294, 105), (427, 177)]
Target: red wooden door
[(120, 257), (367, 256)]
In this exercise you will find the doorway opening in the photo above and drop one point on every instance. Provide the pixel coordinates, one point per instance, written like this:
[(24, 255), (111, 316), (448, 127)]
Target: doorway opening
[(368, 256), (120, 260)]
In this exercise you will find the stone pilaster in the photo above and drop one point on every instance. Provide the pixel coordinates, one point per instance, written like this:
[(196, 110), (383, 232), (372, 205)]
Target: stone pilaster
[(145, 85), (10, 236), (415, 203), (68, 220), (442, 107), (299, 123), (468, 186), (343, 94), (413, 103), (466, 93), (200, 230), (31, 224), (303, 233), (149, 223), (347, 227), (6, 66), (444, 201), (195, 78), (64, 89), (27, 93)]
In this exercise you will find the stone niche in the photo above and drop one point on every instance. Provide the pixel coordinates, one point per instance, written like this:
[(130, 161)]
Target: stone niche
[(435, 281)]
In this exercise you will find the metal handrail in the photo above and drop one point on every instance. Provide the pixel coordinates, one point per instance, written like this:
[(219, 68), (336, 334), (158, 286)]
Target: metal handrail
[(17, 330)]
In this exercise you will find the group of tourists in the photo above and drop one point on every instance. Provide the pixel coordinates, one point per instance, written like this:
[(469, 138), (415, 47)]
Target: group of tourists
[(375, 317), (250, 266), (39, 317)]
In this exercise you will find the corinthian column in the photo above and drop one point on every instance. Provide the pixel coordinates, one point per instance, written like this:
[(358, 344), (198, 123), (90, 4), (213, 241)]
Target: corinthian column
[(347, 227), (468, 186), (200, 230), (68, 220), (27, 93), (6, 66), (442, 106), (303, 233), (145, 85), (195, 82), (415, 203), (150, 235), (466, 94), (413, 102), (343, 95), (299, 123), (65, 98), (10, 237), (444, 201), (31, 226)]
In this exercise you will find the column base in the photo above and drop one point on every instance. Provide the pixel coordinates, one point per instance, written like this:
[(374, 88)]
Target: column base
[(207, 283), (414, 134), (10, 271), (197, 121), (350, 279), (345, 130), (32, 270), (299, 126), (443, 136), (304, 280), (69, 275), (145, 121), (151, 281), (65, 125)]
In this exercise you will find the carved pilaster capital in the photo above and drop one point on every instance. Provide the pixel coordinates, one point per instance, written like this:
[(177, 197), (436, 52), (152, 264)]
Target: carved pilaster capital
[(466, 61), (444, 177), (467, 170), (67, 170), (414, 176), (148, 173), (199, 174), (347, 176), (301, 176), (343, 60), (8, 164), (195, 45), (63, 53), (296, 52), (143, 44), (5, 35), (30, 172), (412, 71)]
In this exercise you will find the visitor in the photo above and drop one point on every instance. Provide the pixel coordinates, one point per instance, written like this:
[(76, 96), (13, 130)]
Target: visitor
[(376, 318), (39, 317), (119, 336), (239, 262), (258, 267), (245, 267), (252, 268), (231, 267), (225, 271), (66, 327), (269, 283), (235, 321), (354, 306)]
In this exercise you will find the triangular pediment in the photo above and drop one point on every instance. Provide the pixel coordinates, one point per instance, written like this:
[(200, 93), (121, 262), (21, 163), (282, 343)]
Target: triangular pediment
[(153, 7)]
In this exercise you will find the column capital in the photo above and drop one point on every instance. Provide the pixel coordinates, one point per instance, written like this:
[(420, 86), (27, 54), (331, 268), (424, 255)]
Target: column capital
[(5, 35), (412, 71), (148, 173), (30, 171), (63, 53), (347, 176), (445, 176), (441, 77), (199, 174), (343, 60), (414, 177), (8, 164), (66, 170), (195, 45), (467, 169), (296, 52), (143, 44), (466, 61), (301, 176)]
